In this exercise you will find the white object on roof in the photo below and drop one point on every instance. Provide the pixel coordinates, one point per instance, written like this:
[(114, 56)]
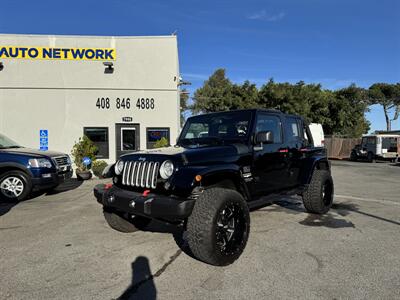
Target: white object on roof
[(317, 133)]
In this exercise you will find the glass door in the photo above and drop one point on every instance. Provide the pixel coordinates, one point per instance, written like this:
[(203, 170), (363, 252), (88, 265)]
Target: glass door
[(127, 138)]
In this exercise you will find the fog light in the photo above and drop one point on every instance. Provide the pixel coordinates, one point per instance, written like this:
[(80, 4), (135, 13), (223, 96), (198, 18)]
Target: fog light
[(132, 204), (111, 199), (167, 185), (46, 175)]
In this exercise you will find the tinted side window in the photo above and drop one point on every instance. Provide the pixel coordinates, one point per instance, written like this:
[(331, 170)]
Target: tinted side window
[(270, 123), (293, 130)]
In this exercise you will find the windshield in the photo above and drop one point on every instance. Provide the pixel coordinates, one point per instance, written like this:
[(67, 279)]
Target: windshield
[(5, 142), (216, 129)]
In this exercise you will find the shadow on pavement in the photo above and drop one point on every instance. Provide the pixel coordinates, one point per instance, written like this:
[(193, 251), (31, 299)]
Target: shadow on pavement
[(177, 232), (142, 286), (343, 209), (68, 185), (5, 207), (329, 220)]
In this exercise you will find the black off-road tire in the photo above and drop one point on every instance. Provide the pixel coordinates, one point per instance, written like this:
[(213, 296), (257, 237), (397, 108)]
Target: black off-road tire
[(204, 226), (24, 178), (318, 197), (122, 224), (353, 156), (370, 157)]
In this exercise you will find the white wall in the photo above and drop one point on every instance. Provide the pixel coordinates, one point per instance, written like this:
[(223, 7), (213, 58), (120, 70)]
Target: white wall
[(61, 96)]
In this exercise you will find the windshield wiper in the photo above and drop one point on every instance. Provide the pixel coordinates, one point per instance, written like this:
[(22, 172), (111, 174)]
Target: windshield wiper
[(11, 147)]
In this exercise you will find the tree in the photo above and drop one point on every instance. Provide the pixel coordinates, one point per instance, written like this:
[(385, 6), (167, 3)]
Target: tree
[(218, 93), (244, 96), (214, 95), (184, 96), (347, 112), (387, 95), (307, 100), (340, 112)]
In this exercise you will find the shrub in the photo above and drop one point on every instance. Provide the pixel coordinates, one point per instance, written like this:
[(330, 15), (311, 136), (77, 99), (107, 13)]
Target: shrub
[(83, 148), (163, 142), (98, 167)]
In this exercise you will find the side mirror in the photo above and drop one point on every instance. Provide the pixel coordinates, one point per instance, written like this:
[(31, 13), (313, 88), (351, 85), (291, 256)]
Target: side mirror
[(265, 137)]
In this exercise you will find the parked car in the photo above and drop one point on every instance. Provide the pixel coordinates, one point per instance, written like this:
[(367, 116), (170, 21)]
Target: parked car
[(376, 147), (23, 170), (223, 165)]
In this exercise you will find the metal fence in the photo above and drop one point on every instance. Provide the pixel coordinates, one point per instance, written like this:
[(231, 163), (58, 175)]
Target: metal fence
[(340, 148)]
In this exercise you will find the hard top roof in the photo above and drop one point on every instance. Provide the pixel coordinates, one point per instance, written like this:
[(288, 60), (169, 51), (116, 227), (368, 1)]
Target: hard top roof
[(253, 110)]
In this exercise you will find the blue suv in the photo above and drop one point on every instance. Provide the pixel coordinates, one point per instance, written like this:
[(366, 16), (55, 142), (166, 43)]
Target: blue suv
[(23, 170)]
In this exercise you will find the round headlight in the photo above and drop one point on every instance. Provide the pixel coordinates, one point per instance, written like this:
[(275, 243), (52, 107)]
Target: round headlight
[(166, 169), (119, 167)]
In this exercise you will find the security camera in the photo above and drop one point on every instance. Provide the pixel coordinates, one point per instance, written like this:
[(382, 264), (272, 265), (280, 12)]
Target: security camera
[(109, 67)]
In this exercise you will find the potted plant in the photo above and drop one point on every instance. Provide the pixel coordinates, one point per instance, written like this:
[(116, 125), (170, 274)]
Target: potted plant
[(98, 167), (84, 154), (161, 143)]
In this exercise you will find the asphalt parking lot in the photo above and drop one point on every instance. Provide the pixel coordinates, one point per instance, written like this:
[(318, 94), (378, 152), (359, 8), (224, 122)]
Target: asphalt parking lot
[(58, 246)]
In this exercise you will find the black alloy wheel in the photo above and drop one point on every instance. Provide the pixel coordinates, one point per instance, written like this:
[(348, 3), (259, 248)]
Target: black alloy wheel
[(231, 229)]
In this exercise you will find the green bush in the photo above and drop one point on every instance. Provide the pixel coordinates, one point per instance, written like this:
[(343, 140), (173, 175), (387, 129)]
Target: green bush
[(163, 142), (98, 167), (83, 148)]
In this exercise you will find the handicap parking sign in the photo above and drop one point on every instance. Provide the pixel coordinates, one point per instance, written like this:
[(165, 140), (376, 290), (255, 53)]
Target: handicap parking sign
[(44, 133), (44, 139)]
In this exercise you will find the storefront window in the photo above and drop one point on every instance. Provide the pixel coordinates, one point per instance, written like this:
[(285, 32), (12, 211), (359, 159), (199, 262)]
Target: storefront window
[(99, 137), (156, 134)]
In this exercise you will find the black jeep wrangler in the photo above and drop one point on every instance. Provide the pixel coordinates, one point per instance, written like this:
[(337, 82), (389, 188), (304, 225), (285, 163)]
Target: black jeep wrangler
[(223, 165)]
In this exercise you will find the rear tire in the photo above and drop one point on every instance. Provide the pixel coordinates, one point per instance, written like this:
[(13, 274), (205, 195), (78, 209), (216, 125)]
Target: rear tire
[(15, 186), (353, 156), (122, 224), (318, 197), (370, 157), (218, 228)]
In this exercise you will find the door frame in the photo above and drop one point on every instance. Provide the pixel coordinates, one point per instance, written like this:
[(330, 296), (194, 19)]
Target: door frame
[(127, 125)]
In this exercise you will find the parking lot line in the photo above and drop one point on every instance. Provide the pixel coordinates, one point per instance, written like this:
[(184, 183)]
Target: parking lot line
[(367, 199)]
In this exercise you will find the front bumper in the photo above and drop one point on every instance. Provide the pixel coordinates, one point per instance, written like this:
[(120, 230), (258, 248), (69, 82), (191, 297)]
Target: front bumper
[(51, 180), (151, 205)]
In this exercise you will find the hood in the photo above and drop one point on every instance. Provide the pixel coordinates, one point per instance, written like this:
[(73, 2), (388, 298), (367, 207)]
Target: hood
[(190, 156), (34, 152)]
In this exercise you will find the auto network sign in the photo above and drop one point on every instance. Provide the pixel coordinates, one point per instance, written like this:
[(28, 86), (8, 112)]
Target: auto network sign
[(52, 53)]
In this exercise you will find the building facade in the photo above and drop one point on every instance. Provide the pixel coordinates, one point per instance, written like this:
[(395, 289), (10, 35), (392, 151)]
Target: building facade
[(122, 92)]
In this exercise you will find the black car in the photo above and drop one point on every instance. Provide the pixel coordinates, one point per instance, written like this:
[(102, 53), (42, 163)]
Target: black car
[(23, 170), (223, 164)]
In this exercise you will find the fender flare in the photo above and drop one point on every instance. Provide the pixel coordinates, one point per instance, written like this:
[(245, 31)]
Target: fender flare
[(311, 164), (183, 179)]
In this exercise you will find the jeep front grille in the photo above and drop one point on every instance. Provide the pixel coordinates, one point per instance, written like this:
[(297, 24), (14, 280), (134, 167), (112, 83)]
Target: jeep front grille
[(140, 174)]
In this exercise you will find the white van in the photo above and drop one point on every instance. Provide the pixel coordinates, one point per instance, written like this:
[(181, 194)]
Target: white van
[(377, 146)]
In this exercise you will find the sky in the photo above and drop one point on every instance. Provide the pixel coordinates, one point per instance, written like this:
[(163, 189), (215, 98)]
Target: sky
[(332, 42)]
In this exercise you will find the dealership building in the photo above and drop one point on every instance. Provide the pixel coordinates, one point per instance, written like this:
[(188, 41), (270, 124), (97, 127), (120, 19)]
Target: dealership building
[(122, 92)]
